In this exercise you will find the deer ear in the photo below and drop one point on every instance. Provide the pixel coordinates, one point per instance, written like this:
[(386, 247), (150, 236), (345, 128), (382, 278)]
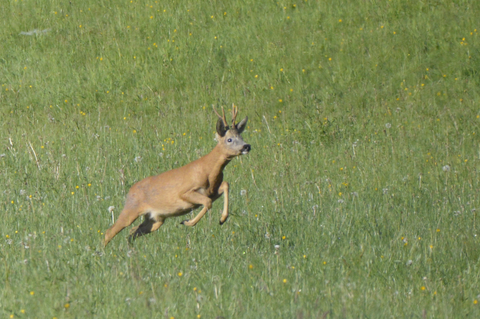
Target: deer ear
[(241, 126), (221, 129)]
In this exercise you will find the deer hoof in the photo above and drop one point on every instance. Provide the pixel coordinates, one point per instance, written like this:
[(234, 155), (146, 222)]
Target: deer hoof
[(183, 222), (221, 223)]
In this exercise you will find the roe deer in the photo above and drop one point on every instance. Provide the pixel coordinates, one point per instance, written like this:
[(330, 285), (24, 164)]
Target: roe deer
[(181, 190)]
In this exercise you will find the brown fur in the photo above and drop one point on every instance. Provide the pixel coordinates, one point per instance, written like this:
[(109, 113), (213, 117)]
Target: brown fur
[(181, 190)]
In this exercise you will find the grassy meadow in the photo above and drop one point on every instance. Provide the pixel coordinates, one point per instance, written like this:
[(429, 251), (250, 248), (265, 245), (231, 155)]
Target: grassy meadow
[(359, 197)]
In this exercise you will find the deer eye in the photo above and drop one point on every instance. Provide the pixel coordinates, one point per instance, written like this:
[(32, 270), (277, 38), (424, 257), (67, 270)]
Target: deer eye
[(229, 140)]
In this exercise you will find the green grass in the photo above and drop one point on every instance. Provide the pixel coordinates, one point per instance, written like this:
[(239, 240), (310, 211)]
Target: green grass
[(364, 131)]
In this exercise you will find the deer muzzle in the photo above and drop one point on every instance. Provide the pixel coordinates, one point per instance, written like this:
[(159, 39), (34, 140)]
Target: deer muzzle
[(246, 148)]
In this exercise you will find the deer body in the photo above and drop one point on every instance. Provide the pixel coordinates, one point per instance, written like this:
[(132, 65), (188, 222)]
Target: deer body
[(162, 194), (181, 190)]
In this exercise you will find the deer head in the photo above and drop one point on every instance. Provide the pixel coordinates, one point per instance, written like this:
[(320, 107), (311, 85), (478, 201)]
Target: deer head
[(228, 137)]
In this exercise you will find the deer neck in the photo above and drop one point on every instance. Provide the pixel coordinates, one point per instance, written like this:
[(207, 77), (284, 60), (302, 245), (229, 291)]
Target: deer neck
[(217, 161)]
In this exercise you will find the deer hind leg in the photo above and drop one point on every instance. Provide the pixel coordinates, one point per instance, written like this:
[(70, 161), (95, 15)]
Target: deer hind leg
[(149, 225), (224, 189), (126, 218)]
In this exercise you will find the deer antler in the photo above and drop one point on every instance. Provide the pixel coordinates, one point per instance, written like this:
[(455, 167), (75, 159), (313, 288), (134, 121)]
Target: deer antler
[(221, 117), (234, 114)]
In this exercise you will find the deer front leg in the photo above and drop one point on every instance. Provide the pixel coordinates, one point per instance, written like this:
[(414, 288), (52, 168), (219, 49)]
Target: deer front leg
[(223, 189), (196, 198)]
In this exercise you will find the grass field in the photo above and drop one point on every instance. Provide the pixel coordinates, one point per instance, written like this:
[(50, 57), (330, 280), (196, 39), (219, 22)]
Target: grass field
[(363, 120)]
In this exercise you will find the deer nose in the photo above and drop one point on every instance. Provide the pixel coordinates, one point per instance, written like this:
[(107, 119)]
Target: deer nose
[(246, 148)]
